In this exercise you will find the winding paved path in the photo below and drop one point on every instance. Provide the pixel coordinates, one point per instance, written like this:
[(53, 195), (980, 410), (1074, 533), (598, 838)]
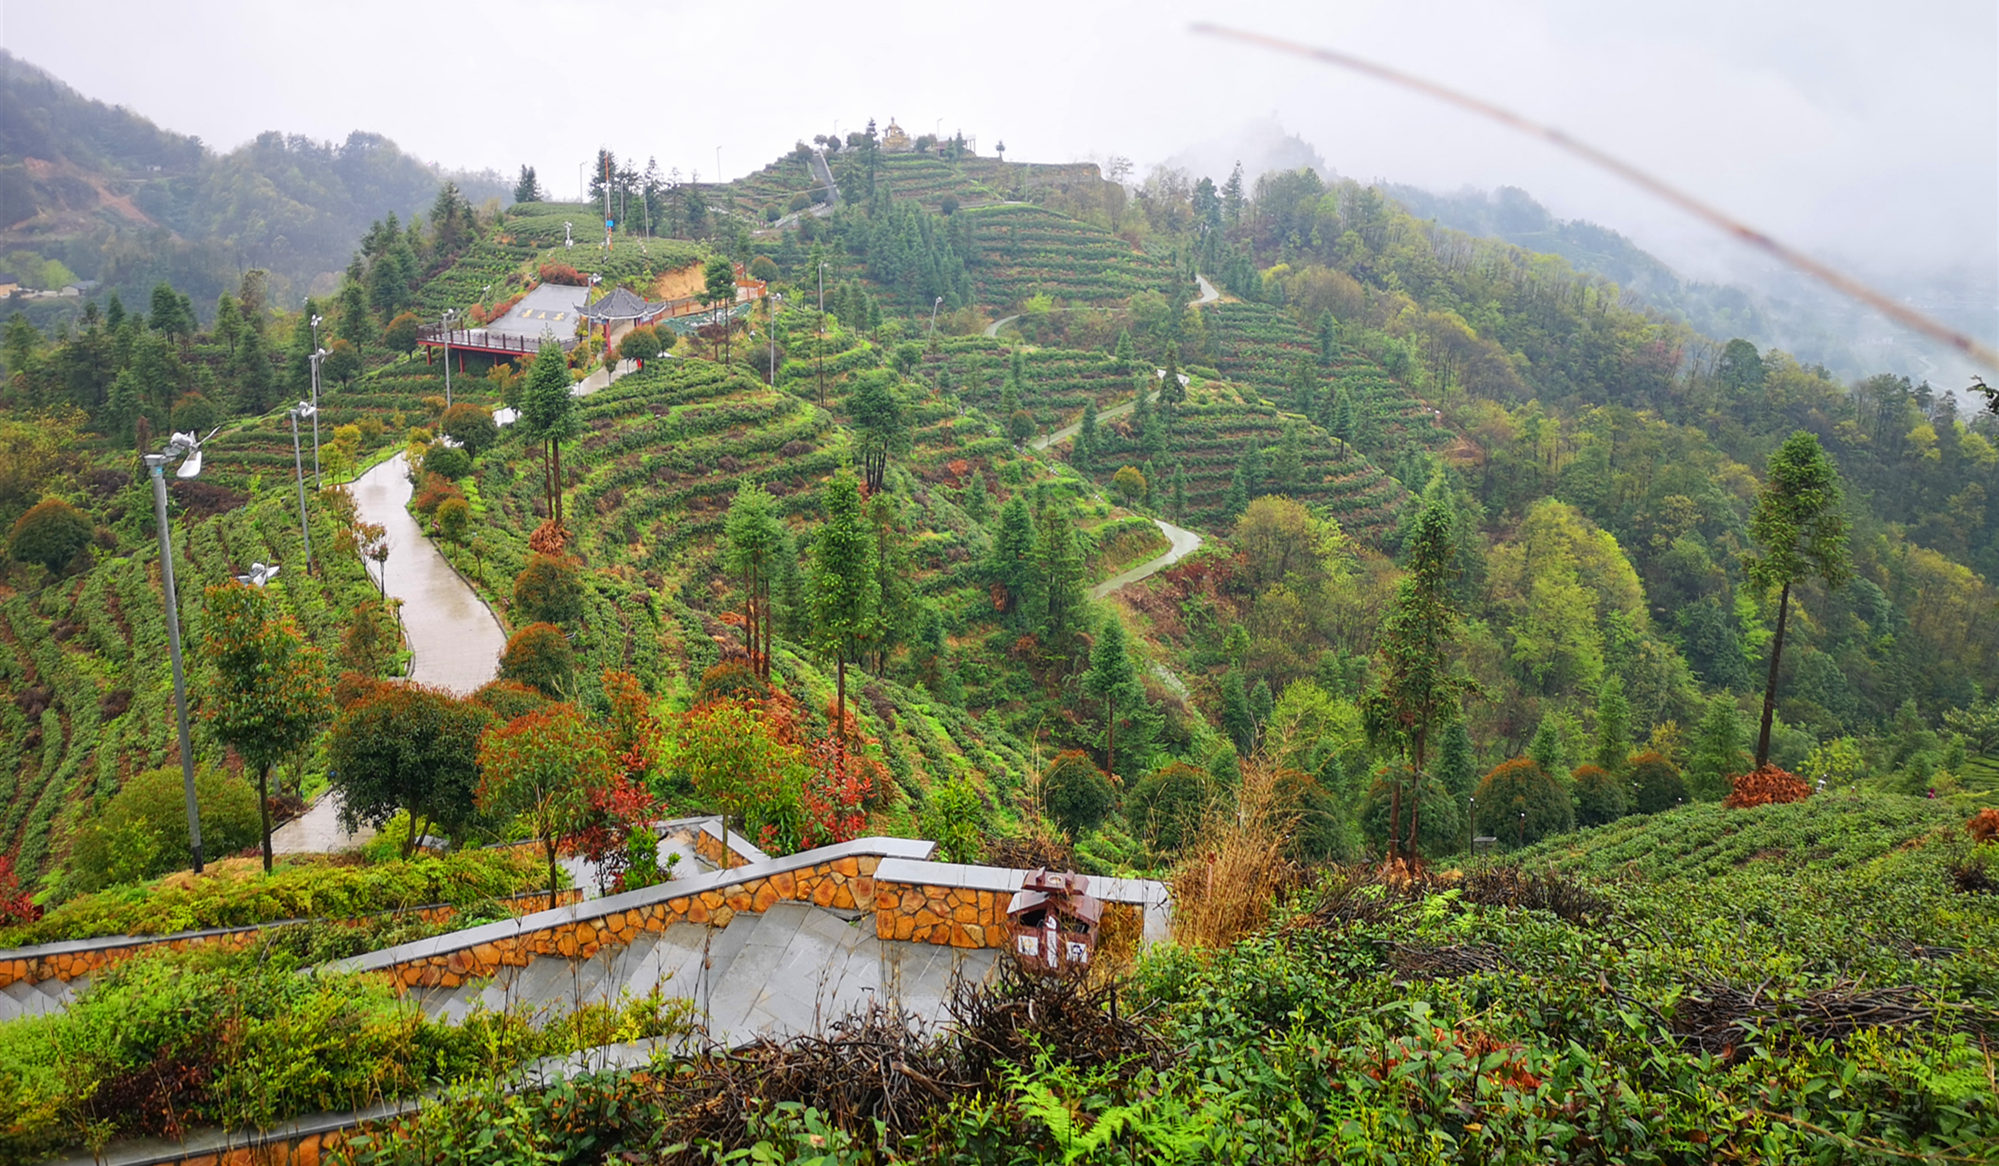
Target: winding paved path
[(455, 641)]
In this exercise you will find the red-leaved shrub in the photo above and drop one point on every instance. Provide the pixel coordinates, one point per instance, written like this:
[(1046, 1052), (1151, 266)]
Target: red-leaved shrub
[(1767, 786)]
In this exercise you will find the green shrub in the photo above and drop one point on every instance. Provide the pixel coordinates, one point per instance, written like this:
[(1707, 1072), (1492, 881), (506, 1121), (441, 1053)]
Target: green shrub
[(549, 590), (1165, 806), (142, 830), (510, 698), (238, 894), (1601, 796), (471, 426), (1076, 792), (954, 816), (447, 462), (1441, 826), (1517, 787), (193, 414), (454, 518), (1656, 783), (50, 533), (540, 657)]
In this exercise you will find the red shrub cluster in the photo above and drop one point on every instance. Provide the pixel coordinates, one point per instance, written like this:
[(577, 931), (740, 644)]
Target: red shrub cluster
[(15, 905), (1984, 825), (434, 492), (563, 274), (1765, 787)]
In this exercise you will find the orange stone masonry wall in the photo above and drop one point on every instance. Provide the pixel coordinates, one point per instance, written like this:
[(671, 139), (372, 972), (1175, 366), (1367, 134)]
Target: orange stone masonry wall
[(958, 916), (843, 884), (88, 962)]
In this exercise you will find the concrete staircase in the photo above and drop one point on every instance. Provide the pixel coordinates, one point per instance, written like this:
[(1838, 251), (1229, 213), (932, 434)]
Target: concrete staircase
[(24, 999), (779, 973)]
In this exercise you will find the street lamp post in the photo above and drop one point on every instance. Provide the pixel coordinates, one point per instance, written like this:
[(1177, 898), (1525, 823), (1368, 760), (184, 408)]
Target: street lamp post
[(1471, 826), (318, 354), (446, 322), (770, 327), (302, 409), (260, 574), (819, 350), (933, 317), (184, 444)]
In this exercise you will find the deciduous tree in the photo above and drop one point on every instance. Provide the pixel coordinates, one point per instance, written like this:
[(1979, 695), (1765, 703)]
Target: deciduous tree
[(267, 692), (542, 767), (411, 748)]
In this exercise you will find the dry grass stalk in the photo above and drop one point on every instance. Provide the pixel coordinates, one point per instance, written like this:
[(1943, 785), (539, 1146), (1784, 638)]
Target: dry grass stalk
[(1224, 887)]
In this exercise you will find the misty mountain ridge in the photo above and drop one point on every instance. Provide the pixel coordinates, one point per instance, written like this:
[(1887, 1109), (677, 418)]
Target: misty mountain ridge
[(107, 195), (1764, 301)]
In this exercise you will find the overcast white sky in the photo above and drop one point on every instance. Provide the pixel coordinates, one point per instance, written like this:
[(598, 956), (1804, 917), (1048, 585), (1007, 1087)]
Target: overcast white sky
[(1865, 131)]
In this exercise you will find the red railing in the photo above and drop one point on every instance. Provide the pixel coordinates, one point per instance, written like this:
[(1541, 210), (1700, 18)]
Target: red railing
[(488, 340)]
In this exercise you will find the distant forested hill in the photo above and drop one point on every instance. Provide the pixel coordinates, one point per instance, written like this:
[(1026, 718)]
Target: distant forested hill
[(93, 191)]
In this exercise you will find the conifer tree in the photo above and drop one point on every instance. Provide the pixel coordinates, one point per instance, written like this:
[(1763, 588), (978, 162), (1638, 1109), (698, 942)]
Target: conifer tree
[(1083, 453), (1457, 760), (1304, 387), (1802, 530), (1112, 681), (1237, 719), (756, 541), (1177, 507), (1613, 726), (1060, 563), (1125, 355), (1417, 690), (977, 500), (1329, 339), (1011, 566), (1287, 469), (846, 602), (548, 416), (1717, 753), (1546, 747)]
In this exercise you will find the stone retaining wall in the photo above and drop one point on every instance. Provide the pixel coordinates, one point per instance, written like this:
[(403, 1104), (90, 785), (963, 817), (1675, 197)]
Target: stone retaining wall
[(965, 906), (842, 884), (74, 959), (839, 877)]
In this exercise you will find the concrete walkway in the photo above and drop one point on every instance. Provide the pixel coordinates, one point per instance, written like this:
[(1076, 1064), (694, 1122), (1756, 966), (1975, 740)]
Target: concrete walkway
[(1183, 542), (455, 641)]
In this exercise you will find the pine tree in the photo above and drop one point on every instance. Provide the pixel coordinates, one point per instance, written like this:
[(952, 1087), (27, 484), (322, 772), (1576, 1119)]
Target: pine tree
[(1417, 690), (977, 501), (1546, 748), (846, 602), (1329, 339), (1112, 681), (1457, 760), (1012, 566), (1237, 719), (1125, 354), (1287, 469), (1613, 726), (1304, 387), (756, 538), (1802, 530), (548, 416), (1060, 563), (1717, 752), (1084, 452), (1178, 506)]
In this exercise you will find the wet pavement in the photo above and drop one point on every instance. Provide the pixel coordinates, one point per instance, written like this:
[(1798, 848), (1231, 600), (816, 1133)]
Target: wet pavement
[(454, 639)]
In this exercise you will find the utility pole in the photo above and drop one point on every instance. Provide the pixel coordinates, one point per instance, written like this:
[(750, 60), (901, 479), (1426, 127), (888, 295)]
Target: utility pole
[(318, 354), (157, 463)]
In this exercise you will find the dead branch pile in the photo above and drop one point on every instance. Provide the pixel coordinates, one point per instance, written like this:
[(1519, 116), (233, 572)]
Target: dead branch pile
[(1721, 1018), (1360, 895), (1421, 961), (876, 1064), (1765, 787)]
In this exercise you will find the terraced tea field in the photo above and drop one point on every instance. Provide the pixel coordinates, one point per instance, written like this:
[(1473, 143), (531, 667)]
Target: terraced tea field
[(1020, 250)]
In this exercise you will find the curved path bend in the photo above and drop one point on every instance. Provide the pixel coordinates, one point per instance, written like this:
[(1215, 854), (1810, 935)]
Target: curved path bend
[(455, 640)]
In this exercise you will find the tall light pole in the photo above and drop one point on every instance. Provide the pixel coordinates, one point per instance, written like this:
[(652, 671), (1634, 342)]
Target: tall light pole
[(933, 317), (185, 445), (819, 349), (318, 354), (446, 323), (770, 328), (302, 409)]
